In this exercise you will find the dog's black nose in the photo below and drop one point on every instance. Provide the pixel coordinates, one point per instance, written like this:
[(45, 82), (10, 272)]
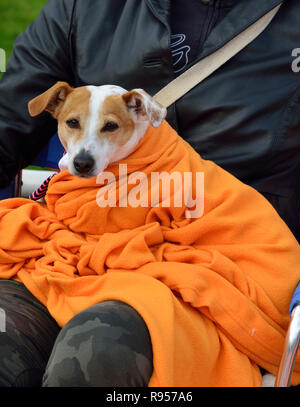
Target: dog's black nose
[(83, 162)]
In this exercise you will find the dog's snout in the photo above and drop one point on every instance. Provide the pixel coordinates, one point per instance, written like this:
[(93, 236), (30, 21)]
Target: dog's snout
[(83, 162)]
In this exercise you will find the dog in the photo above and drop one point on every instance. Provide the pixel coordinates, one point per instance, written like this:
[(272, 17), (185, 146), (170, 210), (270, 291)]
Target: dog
[(97, 125)]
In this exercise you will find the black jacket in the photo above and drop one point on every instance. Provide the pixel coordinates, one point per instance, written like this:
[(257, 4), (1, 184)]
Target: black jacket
[(245, 117)]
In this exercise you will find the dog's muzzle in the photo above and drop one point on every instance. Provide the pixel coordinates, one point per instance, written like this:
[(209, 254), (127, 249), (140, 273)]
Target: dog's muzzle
[(83, 163)]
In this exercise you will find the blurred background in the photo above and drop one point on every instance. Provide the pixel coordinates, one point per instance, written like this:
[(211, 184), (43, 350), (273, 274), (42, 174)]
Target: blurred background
[(15, 15)]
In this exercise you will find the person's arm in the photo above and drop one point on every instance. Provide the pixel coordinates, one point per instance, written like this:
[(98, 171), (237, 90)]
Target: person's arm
[(41, 56)]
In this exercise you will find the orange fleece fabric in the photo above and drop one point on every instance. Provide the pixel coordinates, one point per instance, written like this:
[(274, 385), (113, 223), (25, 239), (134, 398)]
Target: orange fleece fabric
[(214, 291)]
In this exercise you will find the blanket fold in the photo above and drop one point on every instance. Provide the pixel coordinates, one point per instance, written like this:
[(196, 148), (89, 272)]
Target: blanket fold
[(214, 290)]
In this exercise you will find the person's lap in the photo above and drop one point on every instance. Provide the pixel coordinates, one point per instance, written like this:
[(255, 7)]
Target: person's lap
[(106, 345)]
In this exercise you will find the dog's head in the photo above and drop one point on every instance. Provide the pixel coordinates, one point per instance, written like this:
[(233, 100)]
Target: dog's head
[(97, 125)]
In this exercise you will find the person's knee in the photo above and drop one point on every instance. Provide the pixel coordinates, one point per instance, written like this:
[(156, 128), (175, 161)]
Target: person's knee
[(27, 335), (106, 345), (18, 368)]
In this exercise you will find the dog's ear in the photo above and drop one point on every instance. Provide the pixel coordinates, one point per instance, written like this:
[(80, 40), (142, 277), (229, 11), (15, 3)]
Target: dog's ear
[(143, 107), (51, 100)]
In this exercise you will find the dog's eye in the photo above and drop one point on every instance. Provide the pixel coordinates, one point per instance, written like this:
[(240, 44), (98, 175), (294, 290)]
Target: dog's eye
[(73, 123), (110, 126)]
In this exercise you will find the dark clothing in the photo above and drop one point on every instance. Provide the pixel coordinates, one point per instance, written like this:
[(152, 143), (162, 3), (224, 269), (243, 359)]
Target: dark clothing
[(27, 335), (191, 23), (245, 117), (106, 345)]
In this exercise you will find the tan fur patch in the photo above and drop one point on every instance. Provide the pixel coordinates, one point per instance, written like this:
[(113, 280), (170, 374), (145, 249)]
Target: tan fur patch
[(114, 109), (77, 107), (51, 100)]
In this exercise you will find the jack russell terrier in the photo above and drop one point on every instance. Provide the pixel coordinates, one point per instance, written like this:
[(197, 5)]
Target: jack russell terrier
[(97, 125)]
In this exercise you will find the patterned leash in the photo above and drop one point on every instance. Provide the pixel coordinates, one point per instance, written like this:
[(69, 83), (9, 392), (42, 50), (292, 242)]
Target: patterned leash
[(42, 190)]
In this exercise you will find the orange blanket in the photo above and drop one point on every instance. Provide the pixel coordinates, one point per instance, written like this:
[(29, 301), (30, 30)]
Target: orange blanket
[(214, 291)]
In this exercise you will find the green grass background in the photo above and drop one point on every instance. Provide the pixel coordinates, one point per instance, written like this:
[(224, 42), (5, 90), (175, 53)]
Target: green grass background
[(15, 16)]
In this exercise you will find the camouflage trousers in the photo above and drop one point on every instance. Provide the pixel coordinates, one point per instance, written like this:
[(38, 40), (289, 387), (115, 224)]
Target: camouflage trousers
[(106, 345)]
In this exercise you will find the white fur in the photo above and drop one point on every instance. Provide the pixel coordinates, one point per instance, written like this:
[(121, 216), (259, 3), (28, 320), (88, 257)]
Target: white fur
[(122, 152), (63, 162), (150, 106)]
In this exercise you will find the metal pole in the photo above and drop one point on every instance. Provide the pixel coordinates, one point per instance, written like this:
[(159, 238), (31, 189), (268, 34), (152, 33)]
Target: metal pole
[(291, 344)]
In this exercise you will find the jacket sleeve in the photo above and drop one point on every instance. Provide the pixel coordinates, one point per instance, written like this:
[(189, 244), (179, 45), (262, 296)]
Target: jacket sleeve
[(41, 56)]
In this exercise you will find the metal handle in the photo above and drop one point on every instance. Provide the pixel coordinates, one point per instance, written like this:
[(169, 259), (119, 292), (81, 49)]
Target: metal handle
[(291, 344)]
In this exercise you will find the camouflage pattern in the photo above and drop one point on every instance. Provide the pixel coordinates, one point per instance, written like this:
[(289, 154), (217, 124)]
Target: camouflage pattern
[(27, 335), (107, 345)]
